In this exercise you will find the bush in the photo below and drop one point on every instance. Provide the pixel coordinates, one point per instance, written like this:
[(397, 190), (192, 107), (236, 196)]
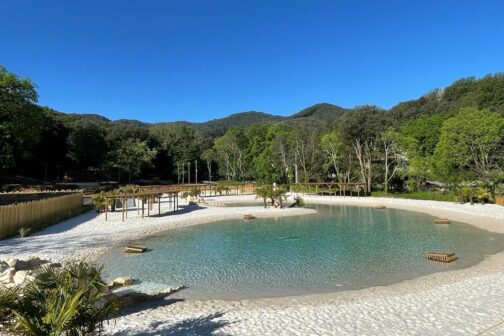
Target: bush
[(419, 195), (99, 202), (58, 301), (219, 188), (268, 192), (483, 195)]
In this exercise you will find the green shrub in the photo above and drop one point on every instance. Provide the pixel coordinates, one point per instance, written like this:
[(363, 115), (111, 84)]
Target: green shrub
[(483, 195), (99, 201), (273, 194), (418, 195), (58, 301)]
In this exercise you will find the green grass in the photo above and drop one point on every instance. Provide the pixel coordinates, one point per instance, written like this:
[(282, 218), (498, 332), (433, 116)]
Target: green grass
[(418, 195)]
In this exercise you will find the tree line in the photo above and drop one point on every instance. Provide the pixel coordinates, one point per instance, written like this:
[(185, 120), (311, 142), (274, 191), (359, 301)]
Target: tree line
[(453, 135)]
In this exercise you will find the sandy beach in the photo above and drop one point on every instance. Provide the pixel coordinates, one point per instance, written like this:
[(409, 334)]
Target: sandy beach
[(460, 302)]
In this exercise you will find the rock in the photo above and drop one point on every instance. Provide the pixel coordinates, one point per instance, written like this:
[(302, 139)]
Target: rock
[(20, 277), (120, 282), (249, 217)]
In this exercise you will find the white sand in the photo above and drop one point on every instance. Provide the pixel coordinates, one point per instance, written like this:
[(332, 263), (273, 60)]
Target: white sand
[(461, 302)]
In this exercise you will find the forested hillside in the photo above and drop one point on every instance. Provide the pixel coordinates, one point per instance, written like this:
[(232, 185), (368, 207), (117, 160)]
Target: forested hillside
[(453, 135)]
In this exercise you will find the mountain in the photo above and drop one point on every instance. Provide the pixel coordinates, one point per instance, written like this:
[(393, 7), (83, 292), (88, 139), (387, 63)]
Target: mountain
[(322, 111)]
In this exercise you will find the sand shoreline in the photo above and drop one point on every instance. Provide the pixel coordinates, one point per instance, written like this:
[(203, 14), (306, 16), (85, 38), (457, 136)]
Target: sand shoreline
[(456, 302)]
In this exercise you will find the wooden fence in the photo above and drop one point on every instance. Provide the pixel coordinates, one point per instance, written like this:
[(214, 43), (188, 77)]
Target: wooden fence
[(38, 214)]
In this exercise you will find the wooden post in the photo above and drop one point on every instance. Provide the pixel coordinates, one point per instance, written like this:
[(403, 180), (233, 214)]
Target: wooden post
[(126, 207), (122, 208), (106, 208), (148, 206), (143, 207), (159, 204)]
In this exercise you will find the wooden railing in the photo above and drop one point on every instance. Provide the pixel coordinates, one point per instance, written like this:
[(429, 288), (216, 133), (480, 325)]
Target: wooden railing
[(331, 188), (38, 214)]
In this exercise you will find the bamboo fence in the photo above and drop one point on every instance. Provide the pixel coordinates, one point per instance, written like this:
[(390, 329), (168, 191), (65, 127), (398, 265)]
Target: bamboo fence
[(38, 214)]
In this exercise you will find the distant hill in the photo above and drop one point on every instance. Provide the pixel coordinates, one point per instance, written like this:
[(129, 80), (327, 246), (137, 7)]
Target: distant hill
[(217, 127), (487, 92), (322, 111)]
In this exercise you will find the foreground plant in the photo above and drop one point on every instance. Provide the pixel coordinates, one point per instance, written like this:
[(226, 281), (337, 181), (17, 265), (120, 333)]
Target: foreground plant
[(58, 301)]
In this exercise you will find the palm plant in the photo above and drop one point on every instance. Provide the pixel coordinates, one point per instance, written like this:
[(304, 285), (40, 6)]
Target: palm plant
[(67, 301)]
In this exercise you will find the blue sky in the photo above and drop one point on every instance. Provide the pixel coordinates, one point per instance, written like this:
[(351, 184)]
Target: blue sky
[(198, 60)]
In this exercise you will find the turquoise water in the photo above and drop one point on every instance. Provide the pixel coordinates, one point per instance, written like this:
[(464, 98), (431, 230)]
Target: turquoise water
[(339, 248)]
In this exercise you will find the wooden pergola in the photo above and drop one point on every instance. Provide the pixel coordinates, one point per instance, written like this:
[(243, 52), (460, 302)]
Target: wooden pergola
[(339, 188), (148, 198)]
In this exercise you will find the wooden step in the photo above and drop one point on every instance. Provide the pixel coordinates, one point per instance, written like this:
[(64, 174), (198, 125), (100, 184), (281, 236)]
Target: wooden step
[(441, 221), (446, 257), (134, 249)]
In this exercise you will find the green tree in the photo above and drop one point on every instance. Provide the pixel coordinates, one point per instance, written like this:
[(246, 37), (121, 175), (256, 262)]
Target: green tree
[(87, 146), (230, 149), (132, 155), (393, 155), (470, 145), (209, 155), (178, 143), (20, 118), (361, 129), (336, 155)]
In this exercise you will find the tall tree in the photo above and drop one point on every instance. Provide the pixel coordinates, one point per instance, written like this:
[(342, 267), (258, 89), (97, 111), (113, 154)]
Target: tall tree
[(86, 145), (231, 149), (132, 155), (336, 155), (393, 155), (20, 118), (209, 155), (361, 128), (179, 144), (471, 142)]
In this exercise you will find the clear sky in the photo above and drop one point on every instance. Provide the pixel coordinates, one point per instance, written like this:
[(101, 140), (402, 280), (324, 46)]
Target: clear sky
[(158, 60)]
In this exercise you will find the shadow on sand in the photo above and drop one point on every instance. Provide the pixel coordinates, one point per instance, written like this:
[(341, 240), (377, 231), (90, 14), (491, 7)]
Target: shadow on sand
[(183, 209), (198, 326)]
